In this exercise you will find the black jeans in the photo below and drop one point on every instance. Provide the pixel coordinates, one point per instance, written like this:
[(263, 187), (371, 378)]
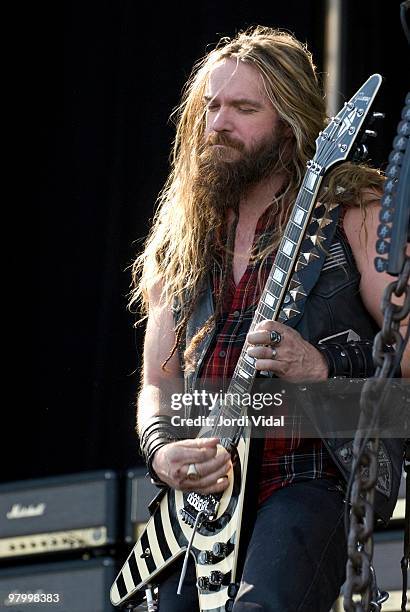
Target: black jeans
[(295, 560)]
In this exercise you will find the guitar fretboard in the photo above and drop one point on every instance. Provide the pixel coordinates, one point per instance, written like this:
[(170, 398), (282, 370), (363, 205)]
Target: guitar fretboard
[(275, 293)]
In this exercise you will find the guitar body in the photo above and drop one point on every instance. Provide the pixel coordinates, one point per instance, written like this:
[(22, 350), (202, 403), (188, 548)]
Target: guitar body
[(166, 537)]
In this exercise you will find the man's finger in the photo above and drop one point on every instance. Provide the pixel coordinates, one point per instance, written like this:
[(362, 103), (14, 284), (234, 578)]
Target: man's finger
[(269, 365), (198, 442), (213, 465), (208, 480), (182, 454)]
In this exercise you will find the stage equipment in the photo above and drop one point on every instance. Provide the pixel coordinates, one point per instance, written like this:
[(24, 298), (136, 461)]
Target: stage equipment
[(63, 513)]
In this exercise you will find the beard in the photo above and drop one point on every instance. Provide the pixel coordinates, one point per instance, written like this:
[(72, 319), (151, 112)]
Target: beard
[(224, 174)]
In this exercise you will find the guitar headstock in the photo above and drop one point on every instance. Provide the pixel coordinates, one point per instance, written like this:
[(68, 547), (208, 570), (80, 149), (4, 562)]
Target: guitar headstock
[(335, 143)]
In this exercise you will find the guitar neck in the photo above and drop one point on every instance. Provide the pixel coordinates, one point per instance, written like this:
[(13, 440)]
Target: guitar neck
[(277, 291)]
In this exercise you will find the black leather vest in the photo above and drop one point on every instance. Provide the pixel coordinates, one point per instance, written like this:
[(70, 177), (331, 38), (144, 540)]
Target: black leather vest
[(333, 307)]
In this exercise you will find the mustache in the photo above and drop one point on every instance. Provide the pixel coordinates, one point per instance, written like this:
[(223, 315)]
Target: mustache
[(219, 138)]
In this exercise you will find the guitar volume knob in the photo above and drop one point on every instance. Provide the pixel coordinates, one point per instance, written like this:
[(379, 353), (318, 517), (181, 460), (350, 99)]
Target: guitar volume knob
[(203, 583), (216, 578), (219, 550), (233, 589), (204, 557)]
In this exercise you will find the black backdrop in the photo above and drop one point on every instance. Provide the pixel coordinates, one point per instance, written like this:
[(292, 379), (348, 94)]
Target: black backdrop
[(98, 147)]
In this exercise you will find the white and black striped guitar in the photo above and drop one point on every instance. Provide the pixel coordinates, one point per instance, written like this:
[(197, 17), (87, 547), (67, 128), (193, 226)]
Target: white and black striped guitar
[(217, 518)]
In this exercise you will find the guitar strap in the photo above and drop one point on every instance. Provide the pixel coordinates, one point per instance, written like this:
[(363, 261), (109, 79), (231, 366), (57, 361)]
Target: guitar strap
[(312, 254)]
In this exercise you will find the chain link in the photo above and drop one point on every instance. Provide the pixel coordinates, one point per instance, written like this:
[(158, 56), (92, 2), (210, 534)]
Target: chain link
[(360, 580)]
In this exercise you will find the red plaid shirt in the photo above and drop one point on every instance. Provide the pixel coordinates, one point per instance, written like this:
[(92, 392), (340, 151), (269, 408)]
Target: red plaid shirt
[(288, 459)]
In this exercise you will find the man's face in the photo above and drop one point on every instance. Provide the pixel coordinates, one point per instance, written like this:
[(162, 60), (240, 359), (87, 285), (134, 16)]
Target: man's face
[(243, 137), (239, 115)]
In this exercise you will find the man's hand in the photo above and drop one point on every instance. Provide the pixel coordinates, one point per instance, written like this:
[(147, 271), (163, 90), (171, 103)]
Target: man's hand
[(292, 358), (211, 460)]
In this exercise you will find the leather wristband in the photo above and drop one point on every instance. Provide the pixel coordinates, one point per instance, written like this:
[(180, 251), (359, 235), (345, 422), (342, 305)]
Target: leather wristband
[(349, 359), (156, 432)]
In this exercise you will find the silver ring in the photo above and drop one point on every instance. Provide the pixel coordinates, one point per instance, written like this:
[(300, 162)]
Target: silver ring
[(274, 353), (192, 473), (275, 337)]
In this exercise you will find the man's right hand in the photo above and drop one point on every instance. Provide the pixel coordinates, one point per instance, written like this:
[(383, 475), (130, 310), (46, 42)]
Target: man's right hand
[(211, 460)]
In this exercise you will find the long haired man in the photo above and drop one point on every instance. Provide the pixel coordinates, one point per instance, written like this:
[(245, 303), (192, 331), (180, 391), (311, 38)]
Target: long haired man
[(246, 127)]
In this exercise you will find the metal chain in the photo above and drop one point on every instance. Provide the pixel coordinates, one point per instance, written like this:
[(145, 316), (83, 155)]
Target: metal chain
[(360, 574)]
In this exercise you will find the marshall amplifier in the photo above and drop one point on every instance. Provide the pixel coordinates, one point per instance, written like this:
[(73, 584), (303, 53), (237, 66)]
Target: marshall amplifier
[(69, 586), (58, 514), (388, 552), (139, 491)]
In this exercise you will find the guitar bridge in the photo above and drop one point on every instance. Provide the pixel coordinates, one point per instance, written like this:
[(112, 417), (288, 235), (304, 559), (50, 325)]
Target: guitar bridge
[(195, 503)]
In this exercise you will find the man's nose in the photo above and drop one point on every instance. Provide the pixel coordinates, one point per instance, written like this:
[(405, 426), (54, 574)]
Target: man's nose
[(222, 121)]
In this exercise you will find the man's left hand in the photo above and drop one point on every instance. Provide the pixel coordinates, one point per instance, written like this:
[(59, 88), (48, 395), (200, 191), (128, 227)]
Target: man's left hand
[(292, 358)]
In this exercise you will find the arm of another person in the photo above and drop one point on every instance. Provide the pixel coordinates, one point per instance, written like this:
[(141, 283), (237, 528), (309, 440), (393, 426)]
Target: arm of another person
[(171, 461), (373, 283)]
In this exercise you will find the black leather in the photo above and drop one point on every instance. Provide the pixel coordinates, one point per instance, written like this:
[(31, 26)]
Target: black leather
[(333, 312)]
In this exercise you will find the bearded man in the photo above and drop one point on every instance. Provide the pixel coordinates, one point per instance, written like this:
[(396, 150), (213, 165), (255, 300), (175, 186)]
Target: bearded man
[(246, 128)]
